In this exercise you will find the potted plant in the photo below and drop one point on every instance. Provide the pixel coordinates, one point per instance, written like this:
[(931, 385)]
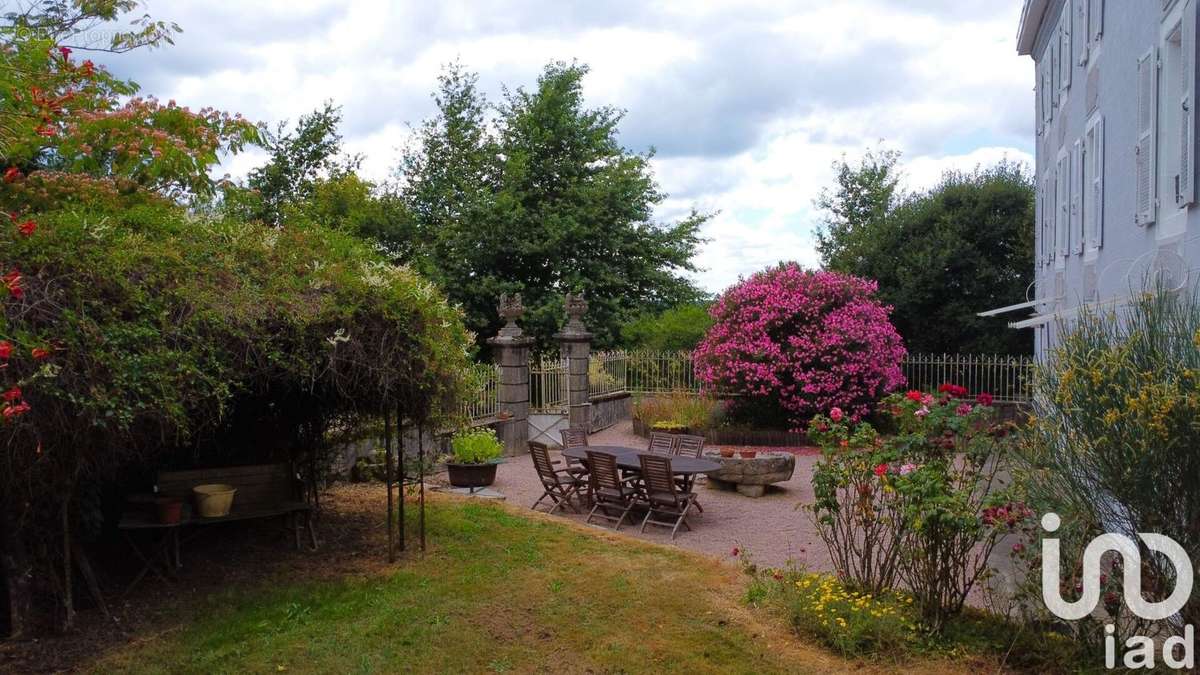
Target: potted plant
[(747, 454), (726, 451), (474, 455)]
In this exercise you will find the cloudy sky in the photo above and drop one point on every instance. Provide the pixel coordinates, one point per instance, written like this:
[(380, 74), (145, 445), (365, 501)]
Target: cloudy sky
[(747, 103)]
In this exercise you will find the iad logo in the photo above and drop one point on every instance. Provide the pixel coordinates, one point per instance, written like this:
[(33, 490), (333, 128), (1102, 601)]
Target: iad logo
[(1139, 649)]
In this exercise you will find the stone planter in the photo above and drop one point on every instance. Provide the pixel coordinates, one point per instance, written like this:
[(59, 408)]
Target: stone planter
[(750, 477)]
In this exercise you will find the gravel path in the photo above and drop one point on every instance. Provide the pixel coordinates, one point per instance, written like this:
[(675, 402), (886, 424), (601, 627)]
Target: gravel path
[(771, 528)]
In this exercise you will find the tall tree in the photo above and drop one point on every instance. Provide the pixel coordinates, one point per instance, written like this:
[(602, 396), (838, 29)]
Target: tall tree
[(863, 195), (943, 255), (542, 200), (299, 159)]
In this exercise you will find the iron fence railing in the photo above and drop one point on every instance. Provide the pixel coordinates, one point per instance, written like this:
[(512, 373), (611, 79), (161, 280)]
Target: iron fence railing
[(483, 401), (547, 384), (1007, 378)]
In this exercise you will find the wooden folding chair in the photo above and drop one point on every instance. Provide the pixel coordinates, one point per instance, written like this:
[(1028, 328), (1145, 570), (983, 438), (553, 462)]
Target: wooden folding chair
[(575, 437), (662, 494), (661, 444), (560, 485), (688, 445), (608, 490)]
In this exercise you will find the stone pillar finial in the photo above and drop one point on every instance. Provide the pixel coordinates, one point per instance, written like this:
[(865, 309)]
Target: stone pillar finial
[(510, 309), (576, 306)]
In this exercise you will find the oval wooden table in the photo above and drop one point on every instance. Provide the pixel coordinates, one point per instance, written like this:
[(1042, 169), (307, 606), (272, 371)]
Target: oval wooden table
[(627, 458)]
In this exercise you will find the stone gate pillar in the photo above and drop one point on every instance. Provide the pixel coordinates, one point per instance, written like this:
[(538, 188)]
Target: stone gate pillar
[(576, 345), (511, 351)]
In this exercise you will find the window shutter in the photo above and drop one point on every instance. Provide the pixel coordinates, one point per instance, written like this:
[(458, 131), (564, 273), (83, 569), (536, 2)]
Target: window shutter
[(1052, 73), (1081, 23), (1039, 207), (1095, 210), (1065, 59), (1047, 88), (1185, 190), (1095, 19), (1048, 213), (1078, 191), (1039, 93), (1062, 222), (1147, 84)]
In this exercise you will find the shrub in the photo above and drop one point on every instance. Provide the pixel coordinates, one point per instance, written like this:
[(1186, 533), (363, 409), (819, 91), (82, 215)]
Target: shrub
[(924, 505), (476, 446), (792, 343), (1113, 445)]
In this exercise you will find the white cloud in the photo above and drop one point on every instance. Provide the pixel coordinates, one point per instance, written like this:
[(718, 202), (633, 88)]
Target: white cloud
[(749, 103)]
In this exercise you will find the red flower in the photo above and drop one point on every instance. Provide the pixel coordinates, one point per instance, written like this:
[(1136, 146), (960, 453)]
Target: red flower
[(27, 228), (13, 394), (39, 354), (736, 551), (836, 414), (12, 281), (15, 410), (913, 395), (881, 470), (984, 398), (88, 67), (5, 350), (12, 174), (65, 51)]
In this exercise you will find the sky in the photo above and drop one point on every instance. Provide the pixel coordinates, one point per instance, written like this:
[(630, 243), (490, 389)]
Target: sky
[(747, 104)]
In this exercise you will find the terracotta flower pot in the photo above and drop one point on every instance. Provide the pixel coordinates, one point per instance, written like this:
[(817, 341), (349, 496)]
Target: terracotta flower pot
[(747, 454), (727, 452), (170, 510)]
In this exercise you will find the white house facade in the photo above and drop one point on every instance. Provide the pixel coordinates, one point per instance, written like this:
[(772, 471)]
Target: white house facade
[(1116, 82)]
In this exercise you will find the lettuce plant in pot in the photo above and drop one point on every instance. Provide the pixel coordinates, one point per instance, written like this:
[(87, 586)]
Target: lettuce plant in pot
[(474, 455)]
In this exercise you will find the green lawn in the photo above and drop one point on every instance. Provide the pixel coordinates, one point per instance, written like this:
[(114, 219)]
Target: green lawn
[(500, 592)]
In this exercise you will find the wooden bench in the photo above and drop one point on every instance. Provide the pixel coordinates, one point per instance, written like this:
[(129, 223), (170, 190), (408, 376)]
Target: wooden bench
[(263, 491)]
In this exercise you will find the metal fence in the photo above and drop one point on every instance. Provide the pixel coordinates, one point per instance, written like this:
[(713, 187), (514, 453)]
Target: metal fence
[(547, 384), (1007, 378), (483, 401)]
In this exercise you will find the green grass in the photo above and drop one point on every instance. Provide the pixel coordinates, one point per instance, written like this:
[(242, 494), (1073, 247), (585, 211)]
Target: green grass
[(500, 592)]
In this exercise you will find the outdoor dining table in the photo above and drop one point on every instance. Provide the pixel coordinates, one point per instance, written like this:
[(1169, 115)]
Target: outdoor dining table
[(627, 458)]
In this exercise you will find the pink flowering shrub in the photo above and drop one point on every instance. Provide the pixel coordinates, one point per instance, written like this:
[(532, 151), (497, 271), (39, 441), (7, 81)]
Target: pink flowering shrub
[(793, 343)]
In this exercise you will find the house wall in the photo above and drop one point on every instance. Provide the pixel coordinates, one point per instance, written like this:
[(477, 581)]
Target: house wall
[(1107, 87)]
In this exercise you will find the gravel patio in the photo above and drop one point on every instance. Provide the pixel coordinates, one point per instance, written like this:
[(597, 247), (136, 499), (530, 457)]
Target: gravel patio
[(770, 528)]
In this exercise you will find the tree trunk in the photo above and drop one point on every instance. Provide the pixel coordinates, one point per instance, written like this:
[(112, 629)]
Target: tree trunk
[(17, 572)]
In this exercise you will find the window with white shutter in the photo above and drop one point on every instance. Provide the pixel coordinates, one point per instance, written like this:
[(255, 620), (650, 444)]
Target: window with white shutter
[(1093, 210), (1078, 191), (1095, 20), (1185, 188), (1062, 219), (1083, 39), (1066, 58), (1144, 151), (1048, 214)]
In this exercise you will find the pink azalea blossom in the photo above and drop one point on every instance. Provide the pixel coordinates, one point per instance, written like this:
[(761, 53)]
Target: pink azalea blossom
[(922, 411)]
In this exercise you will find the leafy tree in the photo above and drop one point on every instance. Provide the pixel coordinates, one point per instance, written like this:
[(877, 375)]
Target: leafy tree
[(864, 195), (543, 200), (672, 330), (942, 255), (299, 159)]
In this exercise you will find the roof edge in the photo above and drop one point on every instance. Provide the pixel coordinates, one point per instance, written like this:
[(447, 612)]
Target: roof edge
[(1031, 20)]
